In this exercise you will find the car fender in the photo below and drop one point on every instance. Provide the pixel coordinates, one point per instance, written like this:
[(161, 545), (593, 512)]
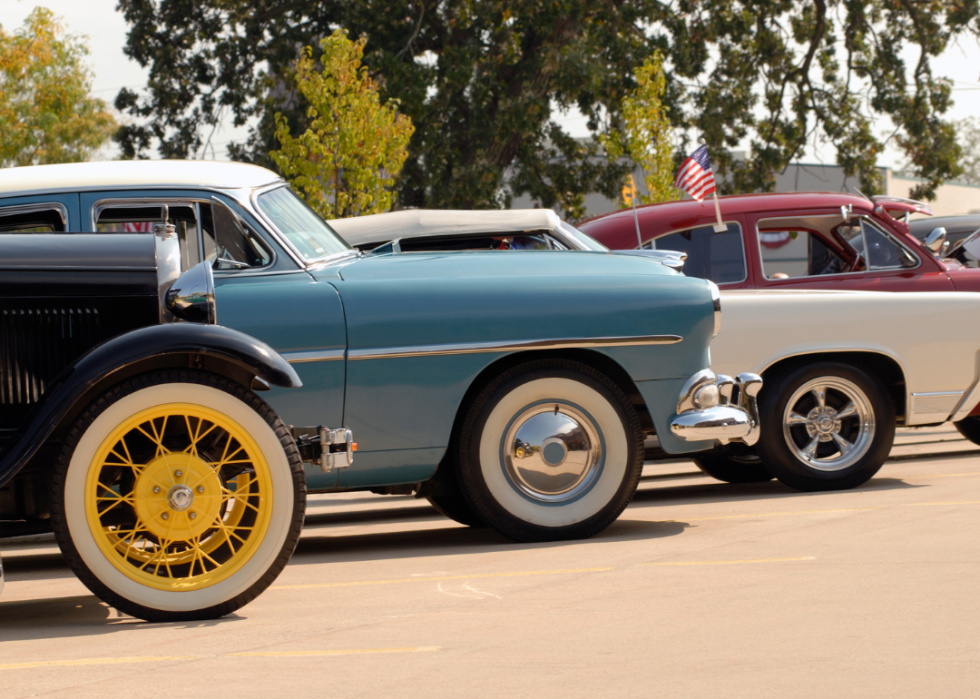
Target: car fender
[(933, 341), (122, 356)]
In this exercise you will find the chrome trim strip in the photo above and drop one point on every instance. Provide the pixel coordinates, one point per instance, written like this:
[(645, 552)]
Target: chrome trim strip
[(939, 393), (56, 206), (317, 356), (509, 346)]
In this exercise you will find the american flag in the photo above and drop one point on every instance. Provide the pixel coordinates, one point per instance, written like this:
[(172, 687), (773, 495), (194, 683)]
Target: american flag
[(695, 176)]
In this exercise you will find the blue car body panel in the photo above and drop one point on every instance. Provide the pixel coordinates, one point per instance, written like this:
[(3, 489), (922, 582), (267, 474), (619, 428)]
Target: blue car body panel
[(430, 300)]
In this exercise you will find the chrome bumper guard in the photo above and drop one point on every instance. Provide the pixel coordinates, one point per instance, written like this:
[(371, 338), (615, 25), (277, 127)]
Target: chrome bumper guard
[(327, 448), (718, 408)]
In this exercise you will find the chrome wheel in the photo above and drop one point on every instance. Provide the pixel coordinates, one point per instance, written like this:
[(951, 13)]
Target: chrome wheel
[(552, 452), (829, 423)]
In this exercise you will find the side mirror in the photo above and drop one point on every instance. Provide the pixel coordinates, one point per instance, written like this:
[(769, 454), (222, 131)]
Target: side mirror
[(191, 297), (935, 240)]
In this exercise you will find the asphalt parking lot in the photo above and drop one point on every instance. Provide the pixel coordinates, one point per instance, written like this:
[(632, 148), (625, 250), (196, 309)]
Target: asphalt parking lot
[(701, 589)]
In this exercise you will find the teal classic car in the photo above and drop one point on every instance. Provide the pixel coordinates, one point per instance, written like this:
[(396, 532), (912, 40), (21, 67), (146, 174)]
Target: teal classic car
[(513, 391)]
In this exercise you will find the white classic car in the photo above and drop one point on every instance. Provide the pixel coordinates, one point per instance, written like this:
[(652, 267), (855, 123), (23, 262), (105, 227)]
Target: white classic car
[(841, 369)]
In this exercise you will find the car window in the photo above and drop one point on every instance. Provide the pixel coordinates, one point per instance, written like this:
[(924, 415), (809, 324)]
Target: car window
[(32, 219), (230, 247), (233, 249), (876, 249), (790, 254), (123, 217), (718, 257)]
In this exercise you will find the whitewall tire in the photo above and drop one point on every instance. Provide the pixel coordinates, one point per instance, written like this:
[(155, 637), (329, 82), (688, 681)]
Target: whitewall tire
[(551, 449), (179, 495)]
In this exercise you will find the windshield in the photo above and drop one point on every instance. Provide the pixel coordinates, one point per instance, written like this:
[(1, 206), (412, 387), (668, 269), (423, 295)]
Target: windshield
[(586, 242), (307, 232)]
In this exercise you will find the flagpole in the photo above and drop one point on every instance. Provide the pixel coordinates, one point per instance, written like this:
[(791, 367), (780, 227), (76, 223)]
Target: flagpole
[(719, 227), (636, 218)]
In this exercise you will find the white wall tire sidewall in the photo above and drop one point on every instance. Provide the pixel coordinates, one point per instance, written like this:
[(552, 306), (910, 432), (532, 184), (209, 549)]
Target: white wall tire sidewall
[(607, 421), (282, 496)]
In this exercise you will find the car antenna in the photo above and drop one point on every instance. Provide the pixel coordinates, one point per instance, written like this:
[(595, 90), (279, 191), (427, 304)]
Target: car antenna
[(863, 194)]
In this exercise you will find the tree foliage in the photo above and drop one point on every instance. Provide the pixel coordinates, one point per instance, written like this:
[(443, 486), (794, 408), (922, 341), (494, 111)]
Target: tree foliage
[(968, 132), (346, 161), (47, 114), (486, 81), (646, 134)]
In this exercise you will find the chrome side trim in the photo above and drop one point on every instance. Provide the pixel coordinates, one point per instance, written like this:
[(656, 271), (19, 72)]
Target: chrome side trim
[(317, 356), (509, 346)]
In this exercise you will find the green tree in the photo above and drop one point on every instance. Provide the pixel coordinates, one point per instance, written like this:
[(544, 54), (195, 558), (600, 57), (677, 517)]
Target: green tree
[(968, 133), (346, 161), (646, 134), (485, 80), (47, 114)]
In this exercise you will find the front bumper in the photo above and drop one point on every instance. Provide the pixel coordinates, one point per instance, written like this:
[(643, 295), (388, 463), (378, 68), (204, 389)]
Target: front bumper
[(706, 411)]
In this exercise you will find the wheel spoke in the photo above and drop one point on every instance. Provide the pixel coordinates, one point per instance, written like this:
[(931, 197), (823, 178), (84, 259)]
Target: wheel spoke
[(811, 448), (842, 444), (820, 395), (796, 419), (155, 440), (848, 410)]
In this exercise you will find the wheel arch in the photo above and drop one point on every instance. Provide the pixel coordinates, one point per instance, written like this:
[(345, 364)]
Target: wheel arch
[(597, 360), (879, 365)]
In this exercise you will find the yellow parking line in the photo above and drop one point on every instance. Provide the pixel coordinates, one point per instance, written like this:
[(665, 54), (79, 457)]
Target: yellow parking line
[(352, 651), (441, 578), (729, 563), (97, 661), (926, 504), (783, 514)]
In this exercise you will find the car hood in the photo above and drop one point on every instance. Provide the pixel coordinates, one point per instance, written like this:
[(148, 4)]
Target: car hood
[(504, 264)]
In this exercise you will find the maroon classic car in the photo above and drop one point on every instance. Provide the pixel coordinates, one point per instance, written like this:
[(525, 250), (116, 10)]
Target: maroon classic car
[(810, 240), (805, 240)]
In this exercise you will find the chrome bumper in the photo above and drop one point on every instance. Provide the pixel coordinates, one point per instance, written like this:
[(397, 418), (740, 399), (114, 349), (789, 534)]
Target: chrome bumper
[(706, 411)]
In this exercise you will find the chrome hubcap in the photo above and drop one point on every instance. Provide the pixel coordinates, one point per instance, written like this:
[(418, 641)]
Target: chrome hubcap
[(552, 452), (829, 423)]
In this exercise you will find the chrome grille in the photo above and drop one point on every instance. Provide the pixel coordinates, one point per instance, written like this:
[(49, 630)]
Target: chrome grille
[(35, 345)]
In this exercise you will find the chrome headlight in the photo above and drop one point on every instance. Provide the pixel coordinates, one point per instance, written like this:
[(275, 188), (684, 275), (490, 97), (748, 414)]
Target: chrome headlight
[(716, 300), (191, 297)]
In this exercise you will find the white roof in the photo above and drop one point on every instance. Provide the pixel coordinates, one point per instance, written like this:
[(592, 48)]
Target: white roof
[(133, 173), (416, 223)]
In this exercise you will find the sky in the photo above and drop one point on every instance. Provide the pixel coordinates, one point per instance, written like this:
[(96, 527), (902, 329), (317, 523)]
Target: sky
[(106, 31)]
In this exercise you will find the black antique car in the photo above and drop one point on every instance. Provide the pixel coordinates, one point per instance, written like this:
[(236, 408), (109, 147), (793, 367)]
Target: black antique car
[(130, 425)]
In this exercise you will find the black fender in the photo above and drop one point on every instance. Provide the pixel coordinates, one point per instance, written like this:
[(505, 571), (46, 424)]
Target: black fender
[(115, 359)]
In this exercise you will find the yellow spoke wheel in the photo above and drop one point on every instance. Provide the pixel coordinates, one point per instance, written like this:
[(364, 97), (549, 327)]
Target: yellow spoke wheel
[(178, 497)]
